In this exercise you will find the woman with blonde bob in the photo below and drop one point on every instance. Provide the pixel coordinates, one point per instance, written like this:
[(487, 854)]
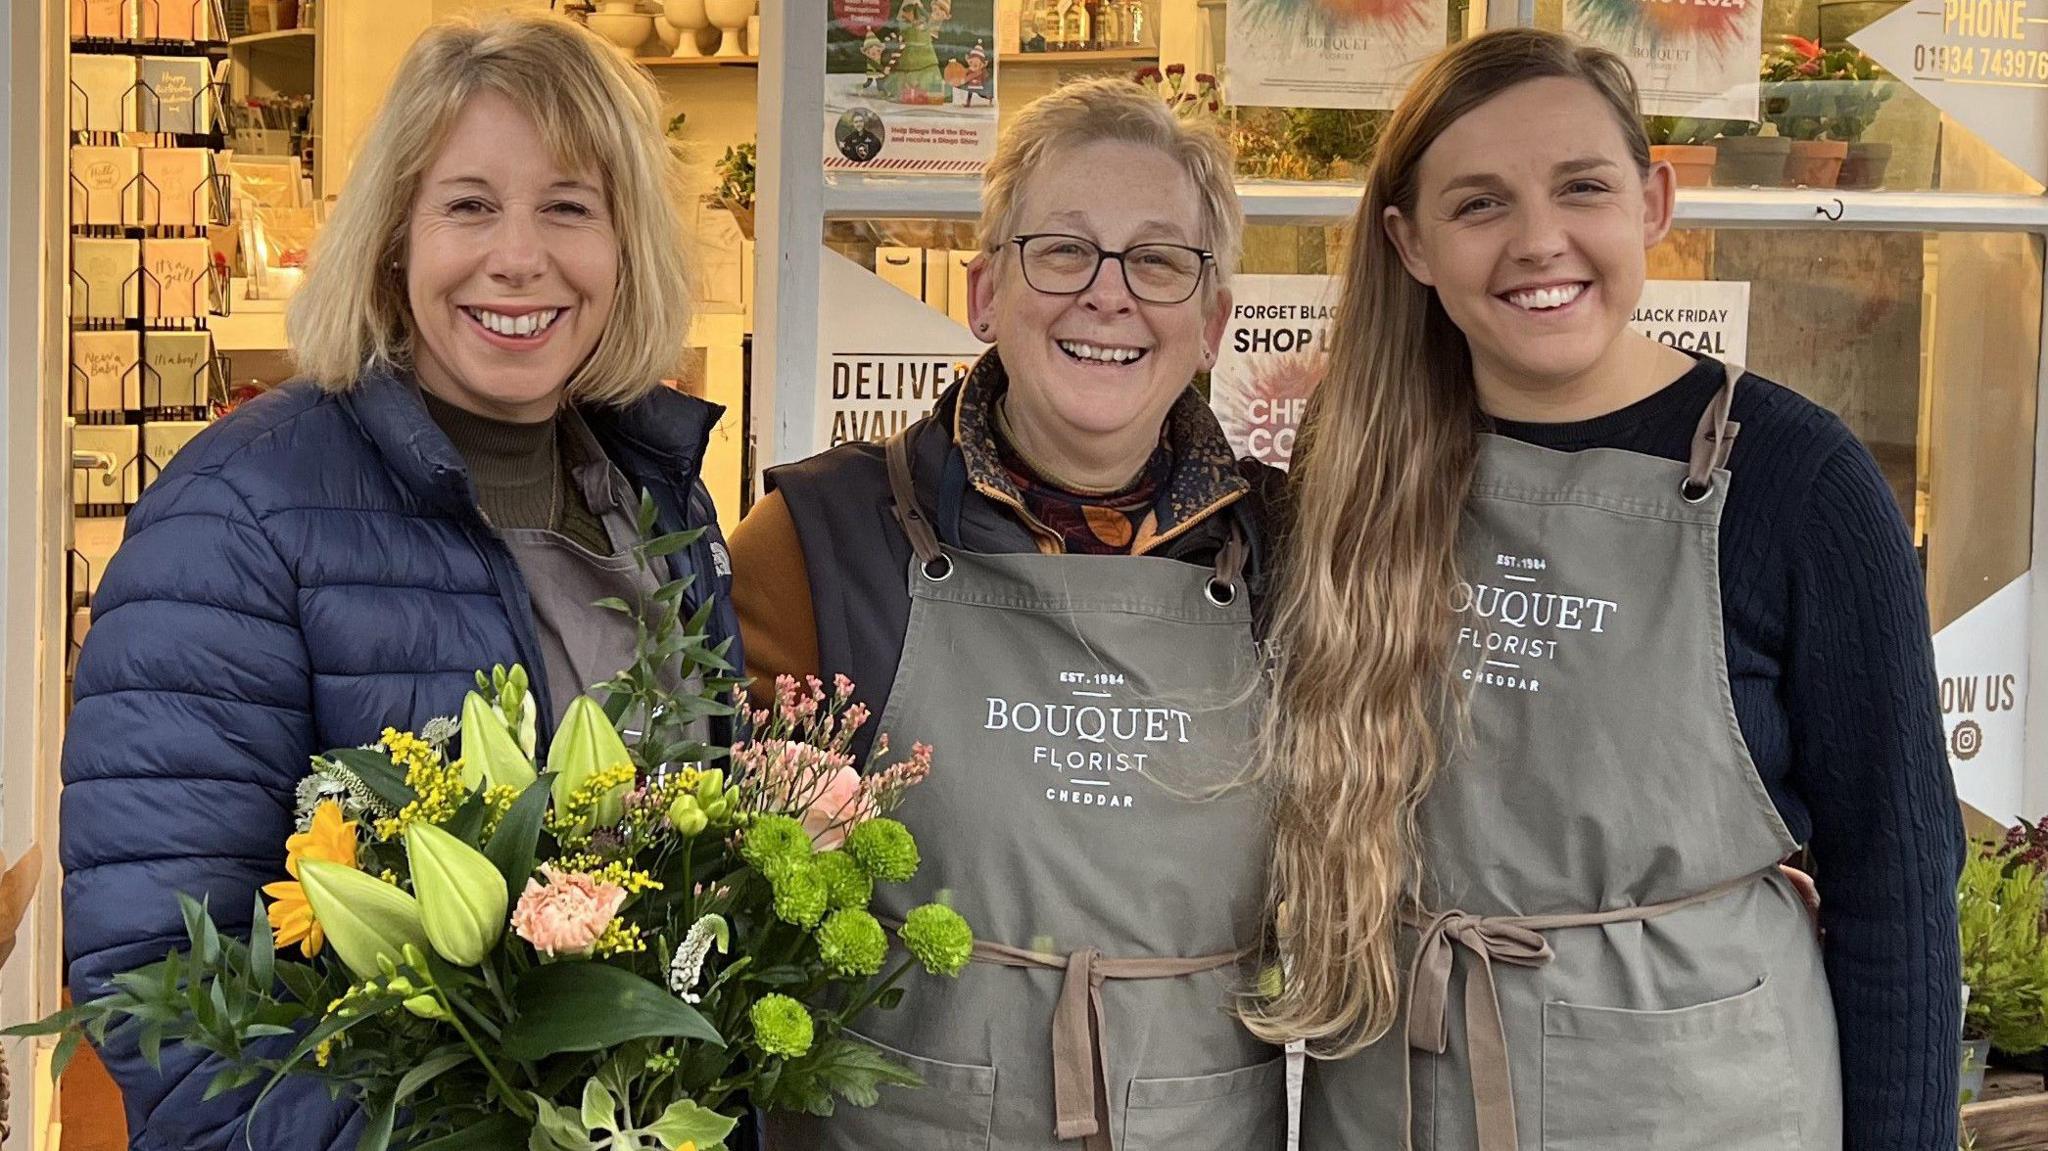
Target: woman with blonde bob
[(1567, 668), (452, 484), (1052, 579)]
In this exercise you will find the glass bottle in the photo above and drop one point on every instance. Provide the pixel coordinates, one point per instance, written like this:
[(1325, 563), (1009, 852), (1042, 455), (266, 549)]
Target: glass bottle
[(1080, 31), (1108, 23), (1037, 29), (1135, 26)]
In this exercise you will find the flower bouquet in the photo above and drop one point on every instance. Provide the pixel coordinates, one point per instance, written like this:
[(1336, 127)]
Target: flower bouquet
[(617, 946)]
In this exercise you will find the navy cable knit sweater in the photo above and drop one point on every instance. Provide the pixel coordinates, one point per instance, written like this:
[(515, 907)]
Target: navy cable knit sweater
[(1832, 671)]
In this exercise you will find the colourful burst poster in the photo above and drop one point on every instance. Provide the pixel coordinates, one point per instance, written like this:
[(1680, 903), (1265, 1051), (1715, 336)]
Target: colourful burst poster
[(910, 85), (1690, 57), (1274, 354), (1330, 53)]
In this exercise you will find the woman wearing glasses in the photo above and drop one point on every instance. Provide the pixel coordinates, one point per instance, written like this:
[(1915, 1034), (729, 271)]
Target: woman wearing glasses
[(1052, 579)]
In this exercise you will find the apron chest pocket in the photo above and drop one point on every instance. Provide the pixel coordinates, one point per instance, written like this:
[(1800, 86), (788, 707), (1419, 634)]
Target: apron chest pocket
[(1245, 1110), (951, 1112), (1706, 1078)]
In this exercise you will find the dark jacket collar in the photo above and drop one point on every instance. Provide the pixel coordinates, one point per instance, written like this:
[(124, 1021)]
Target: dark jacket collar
[(660, 438)]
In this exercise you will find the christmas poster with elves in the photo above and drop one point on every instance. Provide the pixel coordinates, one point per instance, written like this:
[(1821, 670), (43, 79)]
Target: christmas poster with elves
[(910, 85)]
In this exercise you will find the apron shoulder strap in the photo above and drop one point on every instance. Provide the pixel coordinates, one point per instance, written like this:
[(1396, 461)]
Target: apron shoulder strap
[(903, 498), (1714, 440)]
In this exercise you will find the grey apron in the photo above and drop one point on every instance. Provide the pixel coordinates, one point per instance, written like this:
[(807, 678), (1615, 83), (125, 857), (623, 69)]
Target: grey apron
[(1079, 705), (1607, 958), (581, 644)]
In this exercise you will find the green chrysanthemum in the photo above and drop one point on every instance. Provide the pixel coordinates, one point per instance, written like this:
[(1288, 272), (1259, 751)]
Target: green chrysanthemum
[(800, 895), (852, 943), (939, 939), (781, 1026), (884, 849), (846, 885), (771, 841)]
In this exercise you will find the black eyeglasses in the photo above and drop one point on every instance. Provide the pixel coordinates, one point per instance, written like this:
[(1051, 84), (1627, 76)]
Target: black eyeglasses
[(1062, 265)]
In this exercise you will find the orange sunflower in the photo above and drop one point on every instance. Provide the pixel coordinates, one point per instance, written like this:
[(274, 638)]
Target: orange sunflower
[(331, 839)]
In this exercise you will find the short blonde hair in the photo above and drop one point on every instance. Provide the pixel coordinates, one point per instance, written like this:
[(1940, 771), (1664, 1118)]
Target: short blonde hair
[(1103, 108), (594, 111)]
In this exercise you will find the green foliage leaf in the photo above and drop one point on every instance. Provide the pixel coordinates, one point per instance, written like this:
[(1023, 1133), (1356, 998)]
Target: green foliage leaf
[(468, 824), (53, 1024), (233, 1077), (559, 1128), (377, 1131), (673, 542), (592, 1007), (262, 949), (493, 1134), (600, 1110), (516, 842), (431, 1068), (200, 931), (375, 770), (66, 1048), (686, 1122)]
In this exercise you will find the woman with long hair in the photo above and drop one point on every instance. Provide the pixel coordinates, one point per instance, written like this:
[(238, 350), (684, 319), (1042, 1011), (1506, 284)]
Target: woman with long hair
[(1566, 669)]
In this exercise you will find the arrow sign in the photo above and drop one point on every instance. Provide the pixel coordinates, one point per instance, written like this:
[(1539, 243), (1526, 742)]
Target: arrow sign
[(1984, 62)]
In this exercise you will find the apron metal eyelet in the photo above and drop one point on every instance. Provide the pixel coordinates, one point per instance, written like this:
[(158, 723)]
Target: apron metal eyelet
[(939, 568), (1219, 593), (1692, 495)]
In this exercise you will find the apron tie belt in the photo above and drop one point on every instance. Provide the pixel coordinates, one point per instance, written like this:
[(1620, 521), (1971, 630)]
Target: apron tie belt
[(1515, 940), (1080, 1054)]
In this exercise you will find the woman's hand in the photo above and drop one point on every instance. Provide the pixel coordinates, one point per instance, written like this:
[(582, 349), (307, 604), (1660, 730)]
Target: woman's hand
[(1809, 894)]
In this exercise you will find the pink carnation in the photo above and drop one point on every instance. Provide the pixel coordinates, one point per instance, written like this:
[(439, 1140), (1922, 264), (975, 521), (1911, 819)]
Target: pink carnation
[(568, 914)]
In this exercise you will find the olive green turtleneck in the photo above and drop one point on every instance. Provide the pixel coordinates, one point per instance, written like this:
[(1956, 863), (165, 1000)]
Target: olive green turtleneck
[(521, 473)]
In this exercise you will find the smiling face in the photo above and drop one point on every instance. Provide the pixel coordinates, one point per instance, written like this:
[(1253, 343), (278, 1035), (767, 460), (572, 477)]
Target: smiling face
[(511, 267), (1531, 222), (1093, 375)]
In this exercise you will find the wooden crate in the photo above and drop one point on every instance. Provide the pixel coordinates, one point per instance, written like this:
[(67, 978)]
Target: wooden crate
[(2013, 1115)]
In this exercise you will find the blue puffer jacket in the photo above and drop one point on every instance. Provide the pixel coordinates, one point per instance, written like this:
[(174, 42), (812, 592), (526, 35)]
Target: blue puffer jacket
[(309, 571)]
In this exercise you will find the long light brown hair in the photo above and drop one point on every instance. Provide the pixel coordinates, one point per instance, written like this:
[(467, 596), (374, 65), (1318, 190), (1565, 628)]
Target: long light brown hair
[(1362, 617)]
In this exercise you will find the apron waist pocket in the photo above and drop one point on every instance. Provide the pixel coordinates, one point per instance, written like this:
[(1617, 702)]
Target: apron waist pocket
[(1515, 940), (1080, 1068)]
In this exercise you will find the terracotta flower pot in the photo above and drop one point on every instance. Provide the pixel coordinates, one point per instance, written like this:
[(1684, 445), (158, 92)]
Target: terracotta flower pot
[(1750, 161), (742, 216), (1865, 165), (1694, 163), (1815, 163)]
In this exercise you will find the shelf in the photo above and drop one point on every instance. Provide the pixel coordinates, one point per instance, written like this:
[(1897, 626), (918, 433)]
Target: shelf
[(1104, 56), (272, 39), (660, 62), (1274, 202)]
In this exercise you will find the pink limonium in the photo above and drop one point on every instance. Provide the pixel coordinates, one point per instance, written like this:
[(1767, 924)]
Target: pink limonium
[(884, 789), (566, 915)]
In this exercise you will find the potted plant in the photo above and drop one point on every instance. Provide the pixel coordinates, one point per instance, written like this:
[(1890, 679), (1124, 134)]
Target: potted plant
[(2000, 905), (1334, 142), (1798, 102), (1744, 158), (1859, 95), (1687, 145), (735, 192)]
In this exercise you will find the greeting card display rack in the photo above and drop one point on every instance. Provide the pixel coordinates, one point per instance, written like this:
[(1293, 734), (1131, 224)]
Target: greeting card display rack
[(164, 379)]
